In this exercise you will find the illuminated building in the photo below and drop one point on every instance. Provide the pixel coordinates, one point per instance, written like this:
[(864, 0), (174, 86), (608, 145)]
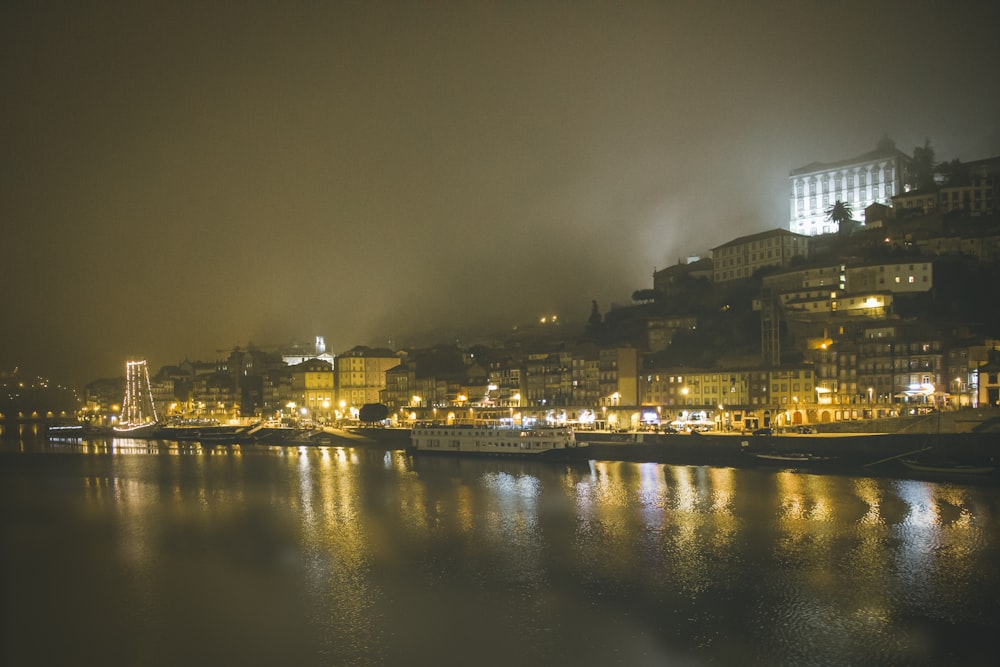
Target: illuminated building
[(894, 361), (400, 387), (504, 385), (858, 182), (619, 381), (989, 385), (312, 389), (300, 353), (740, 258), (102, 398), (586, 375), (913, 275), (359, 375), (548, 378), (963, 363), (702, 388), (439, 376), (215, 395), (791, 387)]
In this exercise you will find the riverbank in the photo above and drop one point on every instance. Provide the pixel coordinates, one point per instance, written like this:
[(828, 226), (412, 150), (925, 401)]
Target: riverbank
[(868, 453), (969, 437)]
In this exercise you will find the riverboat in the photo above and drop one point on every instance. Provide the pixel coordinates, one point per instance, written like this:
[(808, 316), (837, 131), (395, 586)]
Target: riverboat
[(484, 439), (65, 431)]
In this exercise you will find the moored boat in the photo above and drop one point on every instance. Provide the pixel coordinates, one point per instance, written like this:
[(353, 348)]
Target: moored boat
[(949, 467), (790, 456), (138, 431), (65, 431), (496, 439)]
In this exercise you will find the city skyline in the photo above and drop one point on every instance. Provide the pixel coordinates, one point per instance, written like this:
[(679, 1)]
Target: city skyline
[(184, 179)]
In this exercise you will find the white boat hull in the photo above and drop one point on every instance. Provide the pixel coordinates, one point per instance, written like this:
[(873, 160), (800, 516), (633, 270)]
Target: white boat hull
[(489, 441)]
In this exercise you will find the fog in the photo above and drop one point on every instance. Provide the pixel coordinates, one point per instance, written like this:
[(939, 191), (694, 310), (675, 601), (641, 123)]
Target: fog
[(185, 178)]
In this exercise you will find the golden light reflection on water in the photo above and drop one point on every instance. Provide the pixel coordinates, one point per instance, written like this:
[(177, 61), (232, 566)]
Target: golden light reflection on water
[(870, 493), (685, 491), (723, 490), (624, 512), (790, 495), (841, 556)]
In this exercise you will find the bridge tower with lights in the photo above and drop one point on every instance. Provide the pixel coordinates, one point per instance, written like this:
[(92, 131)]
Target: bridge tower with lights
[(137, 409)]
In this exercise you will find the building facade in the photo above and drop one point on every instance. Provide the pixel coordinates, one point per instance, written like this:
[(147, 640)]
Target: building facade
[(359, 375), (974, 191), (740, 258), (874, 177), (312, 389), (912, 275)]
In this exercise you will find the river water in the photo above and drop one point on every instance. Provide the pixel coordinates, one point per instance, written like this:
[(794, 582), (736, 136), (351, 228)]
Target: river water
[(131, 553)]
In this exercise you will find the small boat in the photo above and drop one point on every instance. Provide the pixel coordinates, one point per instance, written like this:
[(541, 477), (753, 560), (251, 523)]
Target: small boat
[(796, 457), (950, 467)]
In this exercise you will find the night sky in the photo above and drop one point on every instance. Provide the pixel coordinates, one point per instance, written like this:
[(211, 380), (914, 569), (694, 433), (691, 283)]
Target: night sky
[(182, 177)]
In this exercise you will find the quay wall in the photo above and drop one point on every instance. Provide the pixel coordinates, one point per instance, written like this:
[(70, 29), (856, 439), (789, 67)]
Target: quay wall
[(845, 451)]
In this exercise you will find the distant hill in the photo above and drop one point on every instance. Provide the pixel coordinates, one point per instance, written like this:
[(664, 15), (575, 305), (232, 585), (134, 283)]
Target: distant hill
[(20, 394)]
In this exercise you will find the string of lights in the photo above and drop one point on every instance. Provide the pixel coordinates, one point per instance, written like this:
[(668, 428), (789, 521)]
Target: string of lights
[(137, 409)]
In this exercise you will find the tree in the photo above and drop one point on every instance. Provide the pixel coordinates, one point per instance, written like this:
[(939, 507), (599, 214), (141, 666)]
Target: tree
[(843, 215), (595, 326), (955, 173), (922, 167), (371, 413)]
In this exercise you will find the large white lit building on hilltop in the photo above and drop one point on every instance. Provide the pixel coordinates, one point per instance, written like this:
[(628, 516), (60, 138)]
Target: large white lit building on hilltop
[(874, 177)]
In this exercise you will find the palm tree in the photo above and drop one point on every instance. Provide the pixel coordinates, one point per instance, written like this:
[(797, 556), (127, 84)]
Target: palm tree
[(842, 214)]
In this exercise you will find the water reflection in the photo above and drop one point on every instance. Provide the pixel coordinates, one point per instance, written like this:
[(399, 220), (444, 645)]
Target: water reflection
[(350, 555)]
